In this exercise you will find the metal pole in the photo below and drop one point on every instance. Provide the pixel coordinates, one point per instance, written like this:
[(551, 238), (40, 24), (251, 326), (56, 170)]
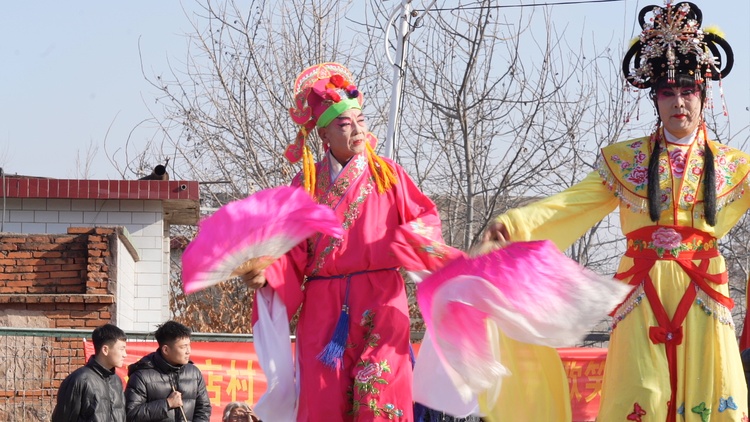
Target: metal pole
[(398, 74)]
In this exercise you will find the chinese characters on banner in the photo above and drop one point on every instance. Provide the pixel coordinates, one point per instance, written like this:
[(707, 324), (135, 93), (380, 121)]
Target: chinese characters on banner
[(230, 369), (585, 369), (232, 373)]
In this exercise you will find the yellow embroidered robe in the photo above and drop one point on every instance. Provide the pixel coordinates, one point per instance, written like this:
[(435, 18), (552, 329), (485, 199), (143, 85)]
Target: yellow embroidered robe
[(710, 381)]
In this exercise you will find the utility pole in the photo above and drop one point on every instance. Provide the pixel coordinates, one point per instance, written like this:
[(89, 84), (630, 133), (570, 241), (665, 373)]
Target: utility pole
[(402, 31)]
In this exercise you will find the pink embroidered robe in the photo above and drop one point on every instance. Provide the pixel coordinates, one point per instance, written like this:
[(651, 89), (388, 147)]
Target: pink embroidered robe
[(376, 380)]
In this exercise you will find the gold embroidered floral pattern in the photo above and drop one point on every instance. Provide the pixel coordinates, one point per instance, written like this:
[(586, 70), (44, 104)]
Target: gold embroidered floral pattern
[(419, 227), (623, 170), (371, 339), (622, 167), (665, 239), (355, 207), (632, 168), (426, 244), (371, 376), (353, 211), (331, 193), (366, 383)]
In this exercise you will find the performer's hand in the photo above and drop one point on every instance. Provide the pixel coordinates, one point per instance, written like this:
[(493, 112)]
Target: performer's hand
[(174, 400), (252, 274), (254, 280), (496, 232)]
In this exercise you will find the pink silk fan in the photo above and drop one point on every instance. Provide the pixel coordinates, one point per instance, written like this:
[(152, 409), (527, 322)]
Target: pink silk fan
[(252, 233), (528, 290)]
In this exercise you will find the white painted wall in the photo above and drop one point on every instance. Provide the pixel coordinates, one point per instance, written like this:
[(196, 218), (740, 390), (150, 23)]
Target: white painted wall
[(126, 267), (143, 302)]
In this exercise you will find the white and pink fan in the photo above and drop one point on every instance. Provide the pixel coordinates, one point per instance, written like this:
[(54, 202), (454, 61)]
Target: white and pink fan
[(529, 290), (252, 233)]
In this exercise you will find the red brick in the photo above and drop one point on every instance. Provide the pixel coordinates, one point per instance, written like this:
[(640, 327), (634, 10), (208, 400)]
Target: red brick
[(14, 290), (9, 239), (48, 268), (15, 255), (80, 230), (40, 239), (63, 323), (19, 269), (44, 246), (47, 254), (65, 274)]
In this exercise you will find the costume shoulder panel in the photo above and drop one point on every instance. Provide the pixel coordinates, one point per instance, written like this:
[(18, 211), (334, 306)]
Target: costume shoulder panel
[(623, 167), (732, 169)]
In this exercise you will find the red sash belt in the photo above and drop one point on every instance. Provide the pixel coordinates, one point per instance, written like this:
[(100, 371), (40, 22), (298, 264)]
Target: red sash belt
[(684, 245)]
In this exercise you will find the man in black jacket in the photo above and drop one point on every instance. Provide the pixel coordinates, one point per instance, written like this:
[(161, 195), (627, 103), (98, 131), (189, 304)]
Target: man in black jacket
[(165, 385), (94, 392)]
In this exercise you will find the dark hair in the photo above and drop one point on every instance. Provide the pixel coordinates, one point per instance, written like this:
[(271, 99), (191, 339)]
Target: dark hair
[(709, 168), (681, 80), (171, 331), (108, 335)]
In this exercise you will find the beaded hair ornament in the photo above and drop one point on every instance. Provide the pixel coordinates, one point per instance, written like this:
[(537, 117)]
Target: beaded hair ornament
[(321, 93), (672, 42)]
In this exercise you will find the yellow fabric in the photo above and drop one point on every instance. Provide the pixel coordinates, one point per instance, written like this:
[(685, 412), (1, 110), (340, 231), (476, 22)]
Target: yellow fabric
[(384, 177), (308, 171), (536, 390), (709, 366)]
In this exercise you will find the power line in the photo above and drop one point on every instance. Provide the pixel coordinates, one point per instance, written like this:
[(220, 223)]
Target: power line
[(507, 6)]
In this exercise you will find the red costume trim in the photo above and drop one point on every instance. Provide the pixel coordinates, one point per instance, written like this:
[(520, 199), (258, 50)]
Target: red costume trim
[(645, 250)]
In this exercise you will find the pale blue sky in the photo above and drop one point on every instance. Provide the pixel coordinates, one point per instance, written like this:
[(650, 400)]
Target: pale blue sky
[(70, 70)]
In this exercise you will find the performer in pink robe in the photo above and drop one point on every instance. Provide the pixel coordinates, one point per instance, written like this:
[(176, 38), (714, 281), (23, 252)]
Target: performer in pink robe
[(353, 334)]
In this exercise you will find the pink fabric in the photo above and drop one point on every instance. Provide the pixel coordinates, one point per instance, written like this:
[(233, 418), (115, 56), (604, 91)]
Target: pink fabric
[(263, 226), (413, 242), (534, 294), (379, 326)]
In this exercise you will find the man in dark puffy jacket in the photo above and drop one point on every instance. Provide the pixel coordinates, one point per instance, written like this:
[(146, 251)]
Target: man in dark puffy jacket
[(93, 393), (165, 385)]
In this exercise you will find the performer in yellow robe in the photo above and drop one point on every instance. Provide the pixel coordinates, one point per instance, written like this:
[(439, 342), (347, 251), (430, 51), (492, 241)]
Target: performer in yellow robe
[(673, 354)]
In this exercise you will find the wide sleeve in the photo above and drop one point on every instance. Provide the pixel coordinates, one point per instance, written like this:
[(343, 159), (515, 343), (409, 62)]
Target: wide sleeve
[(285, 277), (564, 217), (137, 406), (69, 397), (418, 242)]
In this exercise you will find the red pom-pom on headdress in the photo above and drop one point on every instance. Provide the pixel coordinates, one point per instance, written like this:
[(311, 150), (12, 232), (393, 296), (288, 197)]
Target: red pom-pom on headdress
[(315, 89)]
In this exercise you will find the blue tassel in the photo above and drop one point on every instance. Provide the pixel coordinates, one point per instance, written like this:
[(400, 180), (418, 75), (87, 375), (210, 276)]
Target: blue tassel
[(333, 354)]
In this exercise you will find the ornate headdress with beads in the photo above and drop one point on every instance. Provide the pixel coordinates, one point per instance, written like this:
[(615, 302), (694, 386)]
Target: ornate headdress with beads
[(672, 42), (321, 93)]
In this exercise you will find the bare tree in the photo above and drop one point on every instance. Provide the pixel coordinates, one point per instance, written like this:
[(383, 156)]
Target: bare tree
[(83, 163), (492, 115), (223, 111)]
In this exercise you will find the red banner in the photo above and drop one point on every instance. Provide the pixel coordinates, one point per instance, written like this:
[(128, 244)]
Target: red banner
[(232, 373), (585, 369), (230, 369)]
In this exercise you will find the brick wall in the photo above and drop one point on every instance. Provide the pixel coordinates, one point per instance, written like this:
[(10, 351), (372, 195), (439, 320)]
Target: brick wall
[(56, 273), (64, 281), (142, 296)]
